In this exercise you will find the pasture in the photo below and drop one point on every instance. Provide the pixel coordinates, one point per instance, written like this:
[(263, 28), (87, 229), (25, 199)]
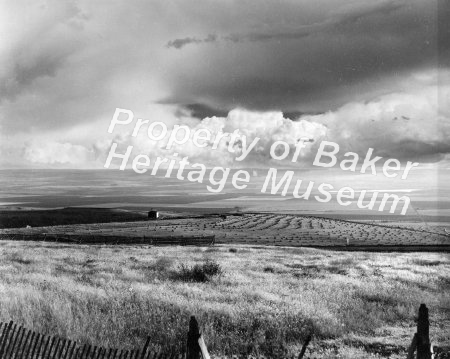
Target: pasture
[(264, 299)]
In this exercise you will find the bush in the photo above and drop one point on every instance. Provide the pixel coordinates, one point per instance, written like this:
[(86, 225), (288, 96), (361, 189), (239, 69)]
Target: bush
[(199, 272), (212, 268), (162, 264), (425, 262), (19, 258)]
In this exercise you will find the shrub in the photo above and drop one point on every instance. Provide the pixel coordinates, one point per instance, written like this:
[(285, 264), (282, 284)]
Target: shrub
[(212, 268), (199, 272), (232, 250), (19, 258), (162, 264), (425, 262), (211, 249)]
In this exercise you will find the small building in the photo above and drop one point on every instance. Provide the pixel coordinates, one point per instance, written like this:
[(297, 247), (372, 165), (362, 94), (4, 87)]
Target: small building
[(153, 214)]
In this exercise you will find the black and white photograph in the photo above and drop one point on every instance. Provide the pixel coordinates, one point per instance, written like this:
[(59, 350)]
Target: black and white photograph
[(224, 179)]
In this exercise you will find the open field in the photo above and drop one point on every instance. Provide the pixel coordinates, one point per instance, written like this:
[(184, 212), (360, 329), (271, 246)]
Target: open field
[(252, 228), (267, 300), (72, 215), (272, 293)]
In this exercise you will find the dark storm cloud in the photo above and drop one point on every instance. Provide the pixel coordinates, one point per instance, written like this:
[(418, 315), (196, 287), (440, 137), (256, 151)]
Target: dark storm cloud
[(39, 49), (355, 53), (65, 65), (179, 43), (72, 63), (201, 111), (444, 32), (24, 74), (343, 55), (339, 20)]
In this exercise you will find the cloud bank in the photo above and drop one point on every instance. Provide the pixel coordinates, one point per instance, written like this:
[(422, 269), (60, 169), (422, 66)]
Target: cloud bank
[(362, 74), (405, 126)]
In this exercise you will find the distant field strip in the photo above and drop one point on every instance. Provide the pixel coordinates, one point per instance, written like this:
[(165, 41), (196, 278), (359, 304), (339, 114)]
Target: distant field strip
[(250, 228)]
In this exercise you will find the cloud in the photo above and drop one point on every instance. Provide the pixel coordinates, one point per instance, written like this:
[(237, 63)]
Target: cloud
[(413, 126), (343, 70), (310, 57), (179, 43), (199, 111), (346, 16), (55, 153), (75, 61), (40, 48), (409, 126), (267, 126)]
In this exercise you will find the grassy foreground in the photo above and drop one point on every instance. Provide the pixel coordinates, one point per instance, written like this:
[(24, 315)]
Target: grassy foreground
[(267, 300)]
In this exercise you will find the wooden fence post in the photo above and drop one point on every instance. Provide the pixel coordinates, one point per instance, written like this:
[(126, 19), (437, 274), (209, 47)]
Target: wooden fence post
[(192, 347), (412, 347), (5, 338), (147, 343), (203, 348), (302, 352), (423, 334)]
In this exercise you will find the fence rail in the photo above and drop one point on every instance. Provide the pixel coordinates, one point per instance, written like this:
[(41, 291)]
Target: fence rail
[(194, 240), (17, 342)]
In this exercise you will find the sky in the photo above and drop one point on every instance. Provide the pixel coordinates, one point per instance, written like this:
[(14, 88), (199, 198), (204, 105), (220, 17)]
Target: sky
[(363, 74)]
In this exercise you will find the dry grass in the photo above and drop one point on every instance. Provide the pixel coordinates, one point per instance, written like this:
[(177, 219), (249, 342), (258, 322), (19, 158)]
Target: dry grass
[(267, 300)]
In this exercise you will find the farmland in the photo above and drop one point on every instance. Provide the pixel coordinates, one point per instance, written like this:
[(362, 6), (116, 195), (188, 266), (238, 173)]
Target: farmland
[(257, 229), (271, 293)]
